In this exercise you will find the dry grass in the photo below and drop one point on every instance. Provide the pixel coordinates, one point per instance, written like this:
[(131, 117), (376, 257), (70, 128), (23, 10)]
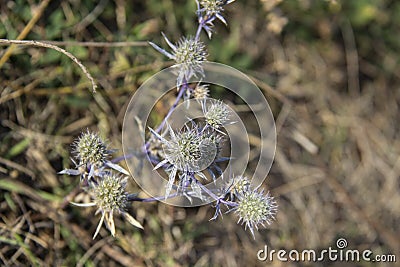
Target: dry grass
[(336, 101)]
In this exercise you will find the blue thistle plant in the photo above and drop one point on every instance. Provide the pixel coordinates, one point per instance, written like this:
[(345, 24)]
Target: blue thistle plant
[(185, 154)]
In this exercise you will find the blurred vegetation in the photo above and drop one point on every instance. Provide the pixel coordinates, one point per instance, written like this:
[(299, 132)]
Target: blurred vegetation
[(329, 68)]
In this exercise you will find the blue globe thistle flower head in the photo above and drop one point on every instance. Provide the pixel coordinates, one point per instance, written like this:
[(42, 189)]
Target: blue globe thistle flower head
[(93, 157), (91, 148), (255, 208), (216, 114), (188, 151), (183, 150), (189, 54), (109, 196), (213, 8), (237, 186), (208, 11), (201, 92)]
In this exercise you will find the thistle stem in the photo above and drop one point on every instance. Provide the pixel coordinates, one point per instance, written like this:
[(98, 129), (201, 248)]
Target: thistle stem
[(214, 196), (133, 197), (199, 28), (182, 90), (178, 98)]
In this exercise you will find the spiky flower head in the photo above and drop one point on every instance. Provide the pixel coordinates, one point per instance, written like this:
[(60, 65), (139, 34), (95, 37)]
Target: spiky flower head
[(91, 148), (201, 92), (190, 51), (217, 114), (189, 149), (109, 196), (255, 208), (189, 54), (212, 7), (238, 186), (110, 193), (209, 10)]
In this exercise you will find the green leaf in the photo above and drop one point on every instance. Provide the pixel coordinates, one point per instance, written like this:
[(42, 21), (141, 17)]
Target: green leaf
[(18, 148)]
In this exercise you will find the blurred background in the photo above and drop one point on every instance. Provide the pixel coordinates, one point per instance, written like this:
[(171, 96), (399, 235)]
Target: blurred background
[(329, 69)]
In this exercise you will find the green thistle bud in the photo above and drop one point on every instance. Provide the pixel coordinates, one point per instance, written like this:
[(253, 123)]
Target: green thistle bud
[(254, 209), (90, 148)]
